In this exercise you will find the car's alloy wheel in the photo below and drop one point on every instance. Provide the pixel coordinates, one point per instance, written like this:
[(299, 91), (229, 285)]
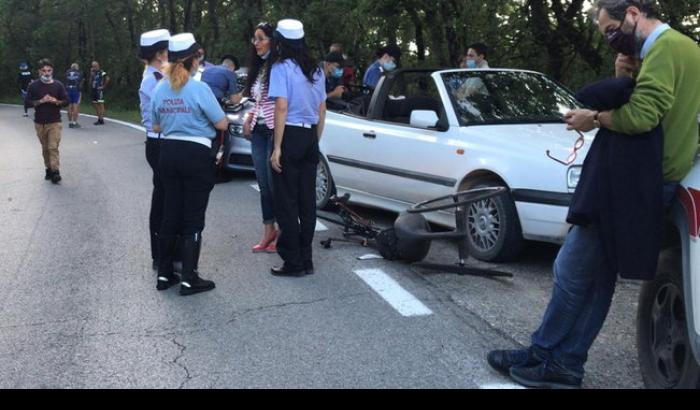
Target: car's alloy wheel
[(324, 185), (484, 225)]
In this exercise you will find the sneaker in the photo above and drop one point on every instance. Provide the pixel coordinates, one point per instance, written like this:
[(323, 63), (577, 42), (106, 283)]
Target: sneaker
[(56, 177), (546, 375), (100, 122), (70, 125), (504, 360), (49, 174), (25, 115), (76, 125)]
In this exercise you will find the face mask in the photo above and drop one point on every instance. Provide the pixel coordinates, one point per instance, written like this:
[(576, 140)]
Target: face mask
[(389, 66), (624, 43), (337, 73), (266, 55), (471, 63), (46, 78)]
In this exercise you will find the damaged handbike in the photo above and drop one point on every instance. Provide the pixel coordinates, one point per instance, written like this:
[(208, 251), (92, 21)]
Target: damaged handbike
[(411, 237)]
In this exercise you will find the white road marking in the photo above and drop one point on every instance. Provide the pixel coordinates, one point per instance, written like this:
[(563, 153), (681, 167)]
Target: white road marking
[(400, 299), (256, 187), (503, 386)]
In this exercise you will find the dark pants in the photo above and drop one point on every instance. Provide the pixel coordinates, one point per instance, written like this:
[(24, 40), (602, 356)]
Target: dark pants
[(261, 142), (295, 196), (158, 197), (584, 285), (188, 173)]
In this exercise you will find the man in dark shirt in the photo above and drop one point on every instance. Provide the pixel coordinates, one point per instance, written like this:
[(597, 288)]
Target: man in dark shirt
[(47, 96), (333, 69), (24, 78), (74, 83), (99, 81)]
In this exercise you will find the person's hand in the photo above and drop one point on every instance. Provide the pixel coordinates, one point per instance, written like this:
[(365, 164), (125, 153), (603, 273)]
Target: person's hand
[(339, 90), (626, 66), (276, 161), (580, 120), (247, 129)]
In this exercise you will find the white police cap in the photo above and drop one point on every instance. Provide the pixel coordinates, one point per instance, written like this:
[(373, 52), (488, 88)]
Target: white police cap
[(182, 46), (154, 37), (291, 29)]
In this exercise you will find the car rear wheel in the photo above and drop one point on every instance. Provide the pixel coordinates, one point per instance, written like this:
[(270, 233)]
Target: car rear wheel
[(665, 354), (494, 228), (325, 188)]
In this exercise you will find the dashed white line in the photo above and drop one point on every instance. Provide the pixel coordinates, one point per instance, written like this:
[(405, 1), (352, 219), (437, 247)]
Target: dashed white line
[(405, 303)]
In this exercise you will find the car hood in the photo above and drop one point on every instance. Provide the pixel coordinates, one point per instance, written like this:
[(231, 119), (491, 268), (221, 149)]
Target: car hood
[(528, 139)]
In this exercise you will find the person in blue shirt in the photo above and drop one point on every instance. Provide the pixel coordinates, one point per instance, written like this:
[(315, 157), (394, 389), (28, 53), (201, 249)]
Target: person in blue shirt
[(387, 61), (187, 115), (222, 80), (333, 65), (154, 52), (298, 86), (24, 78), (74, 83)]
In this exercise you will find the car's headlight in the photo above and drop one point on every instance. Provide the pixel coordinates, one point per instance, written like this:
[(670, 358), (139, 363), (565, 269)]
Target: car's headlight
[(573, 177)]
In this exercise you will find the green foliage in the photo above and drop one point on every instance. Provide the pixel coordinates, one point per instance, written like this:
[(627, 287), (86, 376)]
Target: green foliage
[(554, 36)]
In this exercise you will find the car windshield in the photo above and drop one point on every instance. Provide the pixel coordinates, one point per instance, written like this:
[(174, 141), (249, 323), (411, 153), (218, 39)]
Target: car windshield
[(507, 97)]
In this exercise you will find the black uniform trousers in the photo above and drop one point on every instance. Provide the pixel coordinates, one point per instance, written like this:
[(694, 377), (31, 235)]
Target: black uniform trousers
[(295, 196), (158, 198), (188, 172)]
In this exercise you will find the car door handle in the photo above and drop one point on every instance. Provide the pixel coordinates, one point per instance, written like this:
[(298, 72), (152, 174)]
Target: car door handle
[(370, 135)]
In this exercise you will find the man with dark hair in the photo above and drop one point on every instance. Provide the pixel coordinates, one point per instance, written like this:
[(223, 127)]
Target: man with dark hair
[(333, 69), (47, 96), (99, 81), (476, 56), (387, 61), (666, 94)]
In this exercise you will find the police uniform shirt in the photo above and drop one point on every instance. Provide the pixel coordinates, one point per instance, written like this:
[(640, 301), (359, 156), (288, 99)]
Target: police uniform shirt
[(373, 75), (73, 78), (151, 77), (288, 81), (190, 112)]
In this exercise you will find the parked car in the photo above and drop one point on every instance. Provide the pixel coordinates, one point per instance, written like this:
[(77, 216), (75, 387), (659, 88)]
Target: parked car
[(239, 151), (668, 320), (430, 133)]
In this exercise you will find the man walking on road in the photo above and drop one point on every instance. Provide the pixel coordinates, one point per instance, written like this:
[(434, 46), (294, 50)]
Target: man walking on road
[(47, 96), (99, 81)]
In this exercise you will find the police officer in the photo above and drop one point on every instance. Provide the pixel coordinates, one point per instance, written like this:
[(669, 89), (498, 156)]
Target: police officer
[(24, 78), (154, 52), (297, 85), (187, 114)]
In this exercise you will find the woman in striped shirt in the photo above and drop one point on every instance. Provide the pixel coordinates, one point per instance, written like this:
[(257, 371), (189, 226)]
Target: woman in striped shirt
[(259, 126)]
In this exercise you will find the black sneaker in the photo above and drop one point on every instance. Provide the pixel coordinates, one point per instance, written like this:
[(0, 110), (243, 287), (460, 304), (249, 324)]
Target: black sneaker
[(196, 285), (167, 282), (100, 122), (547, 375), (56, 177), (48, 176), (504, 360), (76, 126), (70, 125)]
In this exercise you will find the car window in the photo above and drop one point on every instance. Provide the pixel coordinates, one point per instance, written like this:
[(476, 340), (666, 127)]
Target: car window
[(409, 92), (504, 97)]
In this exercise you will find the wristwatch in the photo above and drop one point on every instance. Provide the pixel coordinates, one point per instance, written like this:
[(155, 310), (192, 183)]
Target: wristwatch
[(596, 120)]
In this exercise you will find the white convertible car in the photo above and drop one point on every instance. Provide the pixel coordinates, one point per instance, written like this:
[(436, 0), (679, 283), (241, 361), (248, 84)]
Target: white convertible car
[(430, 133)]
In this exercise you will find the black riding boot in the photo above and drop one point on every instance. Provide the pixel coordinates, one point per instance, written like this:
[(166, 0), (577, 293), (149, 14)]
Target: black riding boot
[(166, 273), (191, 282)]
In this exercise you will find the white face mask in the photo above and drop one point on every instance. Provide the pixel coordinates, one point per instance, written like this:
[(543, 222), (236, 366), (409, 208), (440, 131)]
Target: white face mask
[(46, 78)]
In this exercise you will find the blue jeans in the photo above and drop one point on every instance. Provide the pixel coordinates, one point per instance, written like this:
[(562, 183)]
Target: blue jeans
[(262, 145), (584, 285)]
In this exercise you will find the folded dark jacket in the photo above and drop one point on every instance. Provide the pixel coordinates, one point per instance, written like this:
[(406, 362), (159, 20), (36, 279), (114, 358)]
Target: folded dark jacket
[(621, 187)]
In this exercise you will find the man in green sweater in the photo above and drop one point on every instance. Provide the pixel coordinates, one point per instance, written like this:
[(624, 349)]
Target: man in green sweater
[(667, 93)]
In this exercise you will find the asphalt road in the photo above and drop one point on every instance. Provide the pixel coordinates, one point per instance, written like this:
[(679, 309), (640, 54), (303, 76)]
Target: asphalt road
[(79, 307)]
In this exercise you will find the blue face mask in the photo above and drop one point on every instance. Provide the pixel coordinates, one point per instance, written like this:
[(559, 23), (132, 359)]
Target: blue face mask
[(471, 64), (389, 66), (337, 73)]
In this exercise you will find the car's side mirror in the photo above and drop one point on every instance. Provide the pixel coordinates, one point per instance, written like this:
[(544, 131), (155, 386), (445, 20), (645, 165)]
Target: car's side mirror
[(424, 119)]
